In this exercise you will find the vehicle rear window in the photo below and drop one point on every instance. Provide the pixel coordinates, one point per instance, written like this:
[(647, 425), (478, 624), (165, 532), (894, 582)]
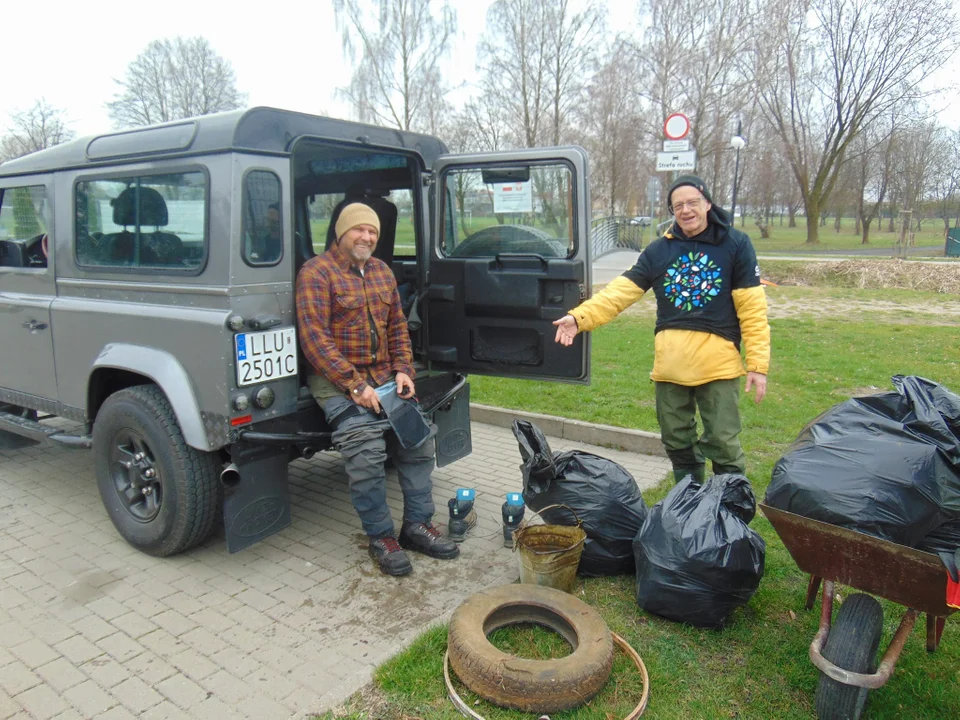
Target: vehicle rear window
[(146, 222), (262, 218), (531, 216)]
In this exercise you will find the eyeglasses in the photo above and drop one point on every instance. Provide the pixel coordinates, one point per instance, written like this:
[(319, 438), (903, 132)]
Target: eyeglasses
[(692, 204)]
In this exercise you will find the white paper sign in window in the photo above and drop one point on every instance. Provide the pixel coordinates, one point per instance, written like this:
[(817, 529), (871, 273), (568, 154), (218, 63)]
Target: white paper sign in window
[(513, 197)]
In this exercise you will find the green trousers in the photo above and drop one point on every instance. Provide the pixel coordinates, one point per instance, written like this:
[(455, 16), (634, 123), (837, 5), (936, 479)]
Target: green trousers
[(718, 403)]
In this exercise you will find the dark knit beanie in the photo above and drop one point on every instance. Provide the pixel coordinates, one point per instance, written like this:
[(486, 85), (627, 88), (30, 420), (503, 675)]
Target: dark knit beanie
[(692, 181)]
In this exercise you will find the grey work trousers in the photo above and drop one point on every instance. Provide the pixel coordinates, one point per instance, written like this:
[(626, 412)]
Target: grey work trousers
[(364, 442)]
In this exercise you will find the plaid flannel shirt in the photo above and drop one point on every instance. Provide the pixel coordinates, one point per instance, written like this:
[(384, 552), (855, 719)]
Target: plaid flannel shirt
[(335, 305)]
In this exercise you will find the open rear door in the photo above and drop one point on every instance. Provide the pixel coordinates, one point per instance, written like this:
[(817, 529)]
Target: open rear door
[(509, 256)]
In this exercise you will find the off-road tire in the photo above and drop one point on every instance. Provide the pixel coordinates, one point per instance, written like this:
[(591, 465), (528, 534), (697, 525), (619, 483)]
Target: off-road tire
[(539, 686), (183, 484), (852, 645)]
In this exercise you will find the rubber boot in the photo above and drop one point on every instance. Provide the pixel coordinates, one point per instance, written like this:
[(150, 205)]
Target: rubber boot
[(698, 471), (462, 518), (512, 511)]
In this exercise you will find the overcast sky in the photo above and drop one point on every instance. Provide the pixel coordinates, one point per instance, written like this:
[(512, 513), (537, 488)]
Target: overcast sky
[(285, 53)]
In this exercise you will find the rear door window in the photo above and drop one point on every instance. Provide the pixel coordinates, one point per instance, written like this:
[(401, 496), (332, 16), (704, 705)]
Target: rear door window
[(490, 214)]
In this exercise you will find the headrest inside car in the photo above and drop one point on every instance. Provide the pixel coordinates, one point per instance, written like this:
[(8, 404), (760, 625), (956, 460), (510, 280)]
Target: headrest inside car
[(153, 209)]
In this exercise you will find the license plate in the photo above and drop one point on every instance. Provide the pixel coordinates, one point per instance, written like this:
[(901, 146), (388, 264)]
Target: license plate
[(268, 355)]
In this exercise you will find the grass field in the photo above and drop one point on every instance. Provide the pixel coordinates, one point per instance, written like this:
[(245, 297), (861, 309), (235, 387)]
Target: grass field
[(782, 239), (828, 344), (787, 239)]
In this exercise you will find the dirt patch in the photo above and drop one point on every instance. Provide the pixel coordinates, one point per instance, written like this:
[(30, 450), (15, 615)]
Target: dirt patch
[(868, 274), (945, 313), (864, 274)]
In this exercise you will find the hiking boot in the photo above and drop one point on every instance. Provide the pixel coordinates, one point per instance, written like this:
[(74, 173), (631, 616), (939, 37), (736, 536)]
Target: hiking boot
[(462, 518), (389, 556), (425, 538)]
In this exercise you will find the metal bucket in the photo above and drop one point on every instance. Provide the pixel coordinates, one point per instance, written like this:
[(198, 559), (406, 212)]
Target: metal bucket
[(549, 554)]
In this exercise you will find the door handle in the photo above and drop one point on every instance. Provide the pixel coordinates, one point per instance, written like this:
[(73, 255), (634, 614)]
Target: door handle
[(33, 325)]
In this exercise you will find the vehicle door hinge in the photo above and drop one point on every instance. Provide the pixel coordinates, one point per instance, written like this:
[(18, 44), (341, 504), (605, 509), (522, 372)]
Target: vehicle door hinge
[(427, 179), (583, 291)]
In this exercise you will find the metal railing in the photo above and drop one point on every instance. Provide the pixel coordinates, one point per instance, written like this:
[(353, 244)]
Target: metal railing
[(613, 233)]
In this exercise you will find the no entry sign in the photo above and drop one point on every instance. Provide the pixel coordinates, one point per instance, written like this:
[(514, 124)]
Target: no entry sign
[(676, 126)]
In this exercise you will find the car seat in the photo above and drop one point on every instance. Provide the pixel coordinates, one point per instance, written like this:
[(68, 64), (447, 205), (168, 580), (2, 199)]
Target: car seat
[(139, 207)]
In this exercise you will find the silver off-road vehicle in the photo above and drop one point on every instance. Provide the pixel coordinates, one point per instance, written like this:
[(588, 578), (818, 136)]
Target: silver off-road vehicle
[(158, 313)]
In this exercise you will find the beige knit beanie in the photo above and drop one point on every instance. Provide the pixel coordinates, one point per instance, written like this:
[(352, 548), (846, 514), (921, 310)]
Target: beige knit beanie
[(356, 214)]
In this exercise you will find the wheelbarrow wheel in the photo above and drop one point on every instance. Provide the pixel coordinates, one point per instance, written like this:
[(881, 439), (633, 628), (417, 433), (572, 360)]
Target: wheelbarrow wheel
[(852, 645)]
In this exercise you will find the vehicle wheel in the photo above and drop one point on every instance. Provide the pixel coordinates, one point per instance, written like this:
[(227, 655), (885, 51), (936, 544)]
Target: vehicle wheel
[(530, 685), (852, 645), (160, 493)]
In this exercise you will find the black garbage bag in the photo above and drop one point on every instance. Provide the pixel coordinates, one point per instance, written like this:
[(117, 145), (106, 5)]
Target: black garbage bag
[(697, 559), (538, 467), (887, 465), (602, 493)]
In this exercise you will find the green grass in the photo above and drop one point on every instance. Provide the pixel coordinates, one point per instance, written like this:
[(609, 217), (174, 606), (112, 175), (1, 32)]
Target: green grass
[(787, 239), (758, 667)]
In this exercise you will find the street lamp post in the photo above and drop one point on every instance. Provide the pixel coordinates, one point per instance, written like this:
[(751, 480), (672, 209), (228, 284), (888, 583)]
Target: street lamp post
[(737, 142)]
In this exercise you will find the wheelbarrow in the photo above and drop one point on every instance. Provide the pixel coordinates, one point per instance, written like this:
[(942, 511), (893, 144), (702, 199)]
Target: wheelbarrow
[(845, 652)]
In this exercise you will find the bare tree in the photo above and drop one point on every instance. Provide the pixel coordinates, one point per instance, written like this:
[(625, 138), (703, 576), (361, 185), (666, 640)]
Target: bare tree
[(174, 79), (611, 130), (37, 128), (872, 165), (516, 63), (945, 183), (574, 39), (688, 60), (397, 80), (823, 71)]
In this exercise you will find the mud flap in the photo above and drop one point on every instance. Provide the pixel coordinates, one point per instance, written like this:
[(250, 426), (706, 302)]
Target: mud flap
[(453, 428), (257, 504)]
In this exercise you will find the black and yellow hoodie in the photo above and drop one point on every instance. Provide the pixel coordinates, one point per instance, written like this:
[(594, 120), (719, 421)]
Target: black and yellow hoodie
[(709, 297)]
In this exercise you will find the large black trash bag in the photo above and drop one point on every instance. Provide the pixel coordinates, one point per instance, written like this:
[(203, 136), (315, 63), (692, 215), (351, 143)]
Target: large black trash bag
[(887, 465), (538, 467), (602, 493), (697, 559)]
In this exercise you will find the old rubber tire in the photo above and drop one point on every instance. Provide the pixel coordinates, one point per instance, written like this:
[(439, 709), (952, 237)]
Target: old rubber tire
[(852, 645), (160, 493), (539, 686)]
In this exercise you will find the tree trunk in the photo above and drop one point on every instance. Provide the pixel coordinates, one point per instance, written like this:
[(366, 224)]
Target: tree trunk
[(865, 235), (813, 221), (837, 222)]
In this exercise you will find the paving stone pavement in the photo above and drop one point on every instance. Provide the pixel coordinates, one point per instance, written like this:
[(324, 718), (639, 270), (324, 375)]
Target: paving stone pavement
[(91, 628)]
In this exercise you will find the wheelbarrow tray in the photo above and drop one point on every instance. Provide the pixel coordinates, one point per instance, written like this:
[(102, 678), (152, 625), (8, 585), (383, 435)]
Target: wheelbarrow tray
[(898, 573)]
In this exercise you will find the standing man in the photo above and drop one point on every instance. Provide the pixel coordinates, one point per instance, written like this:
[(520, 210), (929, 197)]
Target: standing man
[(353, 332), (706, 279)]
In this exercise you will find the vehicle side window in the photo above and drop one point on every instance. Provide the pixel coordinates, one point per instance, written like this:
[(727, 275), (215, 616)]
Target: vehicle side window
[(149, 222), (532, 216), (22, 226), (262, 218)]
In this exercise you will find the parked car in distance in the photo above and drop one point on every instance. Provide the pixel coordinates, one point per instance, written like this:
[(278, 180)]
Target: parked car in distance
[(641, 220)]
